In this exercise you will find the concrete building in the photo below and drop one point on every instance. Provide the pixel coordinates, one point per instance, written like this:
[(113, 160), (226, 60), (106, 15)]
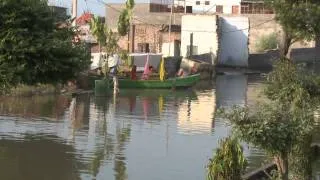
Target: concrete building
[(150, 31), (197, 6), (200, 33), (215, 6)]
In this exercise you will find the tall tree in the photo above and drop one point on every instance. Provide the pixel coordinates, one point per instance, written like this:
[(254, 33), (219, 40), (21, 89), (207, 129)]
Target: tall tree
[(125, 18), (98, 29), (36, 45), (283, 126), (300, 19)]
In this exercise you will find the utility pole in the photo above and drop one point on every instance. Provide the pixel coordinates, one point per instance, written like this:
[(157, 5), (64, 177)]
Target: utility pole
[(185, 7), (170, 26), (74, 11)]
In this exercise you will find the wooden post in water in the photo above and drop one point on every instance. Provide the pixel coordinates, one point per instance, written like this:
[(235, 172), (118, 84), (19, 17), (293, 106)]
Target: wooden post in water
[(191, 45)]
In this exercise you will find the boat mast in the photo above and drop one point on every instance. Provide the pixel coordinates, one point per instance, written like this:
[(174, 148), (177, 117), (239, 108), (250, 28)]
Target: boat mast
[(172, 3), (74, 11)]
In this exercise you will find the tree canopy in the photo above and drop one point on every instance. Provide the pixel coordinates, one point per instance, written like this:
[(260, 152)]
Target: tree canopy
[(284, 125), (300, 19), (36, 45), (124, 18)]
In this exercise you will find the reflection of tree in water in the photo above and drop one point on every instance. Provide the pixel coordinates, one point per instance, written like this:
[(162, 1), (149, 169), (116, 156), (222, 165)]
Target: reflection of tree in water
[(123, 136), (35, 106), (38, 158), (80, 111), (113, 145)]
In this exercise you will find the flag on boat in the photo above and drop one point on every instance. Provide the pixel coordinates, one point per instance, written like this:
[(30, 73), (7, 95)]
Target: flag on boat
[(146, 69), (162, 71)]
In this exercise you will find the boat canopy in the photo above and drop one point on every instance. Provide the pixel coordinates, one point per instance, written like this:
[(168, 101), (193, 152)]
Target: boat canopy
[(139, 59)]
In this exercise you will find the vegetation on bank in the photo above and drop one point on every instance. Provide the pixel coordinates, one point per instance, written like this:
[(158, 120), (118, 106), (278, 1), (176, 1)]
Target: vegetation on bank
[(37, 45), (283, 126), (229, 162), (267, 42)]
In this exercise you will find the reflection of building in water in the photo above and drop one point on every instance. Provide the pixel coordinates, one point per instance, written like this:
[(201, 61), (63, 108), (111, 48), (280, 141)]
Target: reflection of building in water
[(197, 116), (231, 90), (138, 106)]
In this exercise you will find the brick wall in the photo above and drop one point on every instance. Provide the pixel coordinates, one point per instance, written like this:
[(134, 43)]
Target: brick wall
[(150, 34)]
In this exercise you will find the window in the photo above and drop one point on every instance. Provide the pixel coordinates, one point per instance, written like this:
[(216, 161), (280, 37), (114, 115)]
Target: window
[(197, 2), (235, 9), (143, 47), (207, 2), (189, 9), (219, 9)]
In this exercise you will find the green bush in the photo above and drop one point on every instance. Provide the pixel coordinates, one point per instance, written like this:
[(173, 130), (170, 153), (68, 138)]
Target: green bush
[(267, 42)]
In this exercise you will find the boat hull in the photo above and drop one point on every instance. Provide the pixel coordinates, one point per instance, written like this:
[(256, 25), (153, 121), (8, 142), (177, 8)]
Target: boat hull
[(179, 82)]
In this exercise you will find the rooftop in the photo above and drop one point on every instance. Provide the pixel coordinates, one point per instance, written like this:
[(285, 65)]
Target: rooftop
[(141, 14)]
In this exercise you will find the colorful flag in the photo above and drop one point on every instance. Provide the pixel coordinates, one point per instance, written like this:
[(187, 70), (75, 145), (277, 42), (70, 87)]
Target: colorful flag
[(146, 69), (162, 70)]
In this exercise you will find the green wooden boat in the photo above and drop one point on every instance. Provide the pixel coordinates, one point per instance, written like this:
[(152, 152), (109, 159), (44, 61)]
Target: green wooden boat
[(103, 86), (179, 82)]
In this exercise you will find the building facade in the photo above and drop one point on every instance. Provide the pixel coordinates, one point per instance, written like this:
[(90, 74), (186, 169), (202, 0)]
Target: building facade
[(149, 30), (197, 6), (215, 6)]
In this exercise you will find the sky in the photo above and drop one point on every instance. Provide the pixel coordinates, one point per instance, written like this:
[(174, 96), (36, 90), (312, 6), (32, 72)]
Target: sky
[(96, 7)]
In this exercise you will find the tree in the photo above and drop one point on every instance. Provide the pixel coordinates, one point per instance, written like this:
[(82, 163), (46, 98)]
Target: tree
[(300, 19), (228, 163), (283, 127), (272, 128), (97, 28), (37, 46), (294, 87), (125, 17)]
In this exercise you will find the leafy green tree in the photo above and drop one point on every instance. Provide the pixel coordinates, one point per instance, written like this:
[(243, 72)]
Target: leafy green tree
[(300, 19), (37, 46), (274, 129), (283, 127), (228, 162), (125, 17), (298, 90), (97, 28)]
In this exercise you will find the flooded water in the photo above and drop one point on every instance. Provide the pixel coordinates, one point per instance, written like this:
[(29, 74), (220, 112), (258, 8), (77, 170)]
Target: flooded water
[(140, 134)]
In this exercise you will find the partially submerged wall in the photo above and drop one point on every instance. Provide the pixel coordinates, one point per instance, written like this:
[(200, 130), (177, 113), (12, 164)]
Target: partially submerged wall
[(233, 41), (204, 30)]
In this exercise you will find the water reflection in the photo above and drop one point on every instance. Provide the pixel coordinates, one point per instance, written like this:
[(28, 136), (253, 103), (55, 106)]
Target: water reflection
[(138, 134), (231, 90), (197, 116), (50, 107), (38, 157)]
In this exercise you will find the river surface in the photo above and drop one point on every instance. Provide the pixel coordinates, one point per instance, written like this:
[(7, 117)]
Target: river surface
[(138, 135)]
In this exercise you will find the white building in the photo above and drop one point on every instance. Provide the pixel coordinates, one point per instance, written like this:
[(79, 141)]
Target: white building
[(211, 6), (203, 31), (197, 6)]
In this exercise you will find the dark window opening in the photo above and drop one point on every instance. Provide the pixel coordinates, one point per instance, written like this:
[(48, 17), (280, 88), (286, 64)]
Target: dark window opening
[(207, 2), (219, 9), (197, 2), (143, 47), (189, 9)]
